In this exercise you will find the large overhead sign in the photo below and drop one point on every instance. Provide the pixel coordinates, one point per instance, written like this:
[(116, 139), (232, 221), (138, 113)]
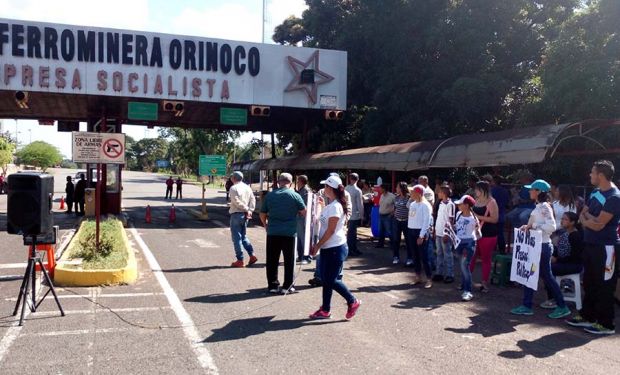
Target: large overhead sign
[(98, 148), (64, 59)]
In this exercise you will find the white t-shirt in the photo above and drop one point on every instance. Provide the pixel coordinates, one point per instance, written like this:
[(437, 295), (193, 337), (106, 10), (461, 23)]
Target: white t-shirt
[(445, 211), (559, 210), (465, 227), (420, 217), (429, 194), (334, 209)]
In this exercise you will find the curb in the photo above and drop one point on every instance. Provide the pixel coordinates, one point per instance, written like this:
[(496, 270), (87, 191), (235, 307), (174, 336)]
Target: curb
[(66, 275)]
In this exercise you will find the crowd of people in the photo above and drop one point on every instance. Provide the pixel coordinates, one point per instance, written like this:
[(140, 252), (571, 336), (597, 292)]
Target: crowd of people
[(438, 227)]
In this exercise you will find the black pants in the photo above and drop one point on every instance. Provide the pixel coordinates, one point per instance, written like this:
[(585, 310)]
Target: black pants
[(275, 246), (179, 193), (598, 303), (168, 192), (69, 205), (79, 207)]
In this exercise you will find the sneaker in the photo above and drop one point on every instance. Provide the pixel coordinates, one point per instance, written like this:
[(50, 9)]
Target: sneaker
[(274, 290), (597, 329), (353, 309), (467, 296), (522, 310), (448, 280), (409, 262), (416, 280), (429, 284), (285, 291), (395, 260), (320, 314), (253, 260), (559, 312), (305, 262), (438, 278), (298, 260), (238, 264), (314, 282), (578, 321), (484, 289), (549, 304)]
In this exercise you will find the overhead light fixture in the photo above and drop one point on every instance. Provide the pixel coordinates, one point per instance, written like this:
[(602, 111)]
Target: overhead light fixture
[(260, 111), (333, 115), (172, 106), (21, 98)]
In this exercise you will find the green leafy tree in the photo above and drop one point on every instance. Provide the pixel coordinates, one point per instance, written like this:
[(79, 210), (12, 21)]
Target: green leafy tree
[(290, 32), (40, 154), (147, 151), (7, 148)]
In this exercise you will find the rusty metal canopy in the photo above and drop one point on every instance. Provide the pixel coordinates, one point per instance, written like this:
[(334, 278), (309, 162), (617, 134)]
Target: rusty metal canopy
[(528, 145)]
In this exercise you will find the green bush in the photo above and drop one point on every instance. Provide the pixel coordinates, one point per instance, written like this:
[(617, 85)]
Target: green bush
[(111, 253)]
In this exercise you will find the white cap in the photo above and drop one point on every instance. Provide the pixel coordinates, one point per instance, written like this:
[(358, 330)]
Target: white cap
[(332, 181)]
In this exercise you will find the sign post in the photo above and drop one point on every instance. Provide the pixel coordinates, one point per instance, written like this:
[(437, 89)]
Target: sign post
[(525, 268), (210, 165)]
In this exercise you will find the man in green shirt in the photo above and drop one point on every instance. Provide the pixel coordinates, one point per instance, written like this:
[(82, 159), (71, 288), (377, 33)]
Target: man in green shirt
[(279, 213)]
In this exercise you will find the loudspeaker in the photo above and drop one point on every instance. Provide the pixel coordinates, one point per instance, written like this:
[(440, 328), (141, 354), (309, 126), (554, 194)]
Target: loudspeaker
[(29, 207)]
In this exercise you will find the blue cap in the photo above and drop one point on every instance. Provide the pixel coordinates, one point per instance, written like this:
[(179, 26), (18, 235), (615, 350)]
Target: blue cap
[(541, 185)]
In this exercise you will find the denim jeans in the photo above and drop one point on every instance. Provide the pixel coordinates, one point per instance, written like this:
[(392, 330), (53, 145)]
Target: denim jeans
[(352, 235), (400, 228), (420, 253), (518, 216), (465, 251), (432, 256), (238, 228), (445, 260), (385, 224), (301, 236), (547, 277), (332, 261)]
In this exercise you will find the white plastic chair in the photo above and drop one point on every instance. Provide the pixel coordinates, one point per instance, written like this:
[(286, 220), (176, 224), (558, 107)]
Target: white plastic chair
[(571, 297)]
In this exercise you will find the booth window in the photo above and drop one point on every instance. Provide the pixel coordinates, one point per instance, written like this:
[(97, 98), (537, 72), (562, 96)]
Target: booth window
[(112, 178)]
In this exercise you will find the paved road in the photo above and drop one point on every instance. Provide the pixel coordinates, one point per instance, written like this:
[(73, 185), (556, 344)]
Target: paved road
[(194, 314)]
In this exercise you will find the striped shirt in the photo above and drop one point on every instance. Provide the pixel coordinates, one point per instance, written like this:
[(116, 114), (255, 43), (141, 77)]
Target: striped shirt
[(401, 208)]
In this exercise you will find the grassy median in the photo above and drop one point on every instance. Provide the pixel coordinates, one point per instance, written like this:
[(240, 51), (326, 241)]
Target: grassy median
[(111, 253)]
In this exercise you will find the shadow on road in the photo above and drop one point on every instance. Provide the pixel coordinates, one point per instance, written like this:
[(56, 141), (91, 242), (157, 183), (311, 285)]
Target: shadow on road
[(250, 294), (244, 328), (546, 346)]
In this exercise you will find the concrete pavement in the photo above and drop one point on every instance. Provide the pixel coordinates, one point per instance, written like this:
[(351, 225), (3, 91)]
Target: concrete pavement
[(242, 329)]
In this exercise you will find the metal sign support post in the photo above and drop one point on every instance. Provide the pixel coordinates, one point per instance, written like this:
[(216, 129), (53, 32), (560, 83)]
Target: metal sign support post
[(204, 202), (104, 127)]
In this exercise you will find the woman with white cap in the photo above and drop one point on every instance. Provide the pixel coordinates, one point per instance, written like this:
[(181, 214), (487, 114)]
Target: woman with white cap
[(333, 246), (542, 219), (419, 223)]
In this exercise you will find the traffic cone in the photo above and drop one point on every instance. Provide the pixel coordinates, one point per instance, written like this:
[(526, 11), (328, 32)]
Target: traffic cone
[(173, 214), (62, 202), (147, 217)]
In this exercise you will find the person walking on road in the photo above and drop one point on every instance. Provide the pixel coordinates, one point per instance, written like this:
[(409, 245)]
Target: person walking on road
[(69, 193), (357, 213), (242, 204), (169, 185), (303, 190), (79, 195), (279, 213), (332, 244), (541, 219), (179, 183), (600, 219)]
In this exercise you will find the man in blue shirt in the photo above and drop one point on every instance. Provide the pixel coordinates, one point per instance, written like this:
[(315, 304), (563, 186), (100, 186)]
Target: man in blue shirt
[(600, 220), (279, 216), (520, 214)]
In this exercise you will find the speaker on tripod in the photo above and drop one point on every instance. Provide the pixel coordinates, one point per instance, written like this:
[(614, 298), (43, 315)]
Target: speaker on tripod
[(29, 213)]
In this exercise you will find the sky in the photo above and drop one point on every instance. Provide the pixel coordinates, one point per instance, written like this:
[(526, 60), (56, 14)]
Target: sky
[(226, 19)]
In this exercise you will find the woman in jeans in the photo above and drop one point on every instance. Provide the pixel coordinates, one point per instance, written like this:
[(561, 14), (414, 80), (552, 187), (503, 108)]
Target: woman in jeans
[(542, 219), (419, 223), (399, 223), (333, 246), (487, 213)]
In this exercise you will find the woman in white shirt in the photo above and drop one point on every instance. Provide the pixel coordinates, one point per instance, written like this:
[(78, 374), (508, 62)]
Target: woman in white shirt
[(333, 246), (564, 202), (542, 219), (420, 216)]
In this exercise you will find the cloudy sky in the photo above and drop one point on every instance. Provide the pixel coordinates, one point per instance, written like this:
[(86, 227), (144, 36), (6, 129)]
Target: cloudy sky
[(226, 19)]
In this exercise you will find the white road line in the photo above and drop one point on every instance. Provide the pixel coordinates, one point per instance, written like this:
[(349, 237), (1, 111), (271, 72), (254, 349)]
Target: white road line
[(13, 265), (99, 310), (111, 295), (78, 332), (189, 328)]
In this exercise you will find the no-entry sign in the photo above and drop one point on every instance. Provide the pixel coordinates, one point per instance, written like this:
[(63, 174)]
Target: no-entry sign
[(98, 148)]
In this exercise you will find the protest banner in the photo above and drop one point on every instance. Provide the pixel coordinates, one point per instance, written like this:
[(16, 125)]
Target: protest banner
[(525, 268)]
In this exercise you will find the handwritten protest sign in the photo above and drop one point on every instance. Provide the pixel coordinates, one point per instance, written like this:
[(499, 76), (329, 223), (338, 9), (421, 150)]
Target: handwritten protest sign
[(526, 258)]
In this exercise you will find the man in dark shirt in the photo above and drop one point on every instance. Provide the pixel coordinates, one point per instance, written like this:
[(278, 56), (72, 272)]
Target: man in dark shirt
[(179, 187), (520, 214), (70, 192), (169, 185), (80, 195), (600, 218)]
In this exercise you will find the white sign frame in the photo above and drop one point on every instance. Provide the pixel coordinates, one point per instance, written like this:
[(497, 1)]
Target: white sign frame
[(527, 249), (105, 148)]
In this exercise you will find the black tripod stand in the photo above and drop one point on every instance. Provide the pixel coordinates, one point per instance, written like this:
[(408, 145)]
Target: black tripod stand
[(29, 282)]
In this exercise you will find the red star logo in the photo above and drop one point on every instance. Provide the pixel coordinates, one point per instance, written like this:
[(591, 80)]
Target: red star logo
[(298, 66)]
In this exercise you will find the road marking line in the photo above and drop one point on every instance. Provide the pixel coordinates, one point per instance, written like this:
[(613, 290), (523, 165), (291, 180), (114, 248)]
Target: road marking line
[(189, 328), (13, 265), (111, 295), (99, 310), (78, 332)]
